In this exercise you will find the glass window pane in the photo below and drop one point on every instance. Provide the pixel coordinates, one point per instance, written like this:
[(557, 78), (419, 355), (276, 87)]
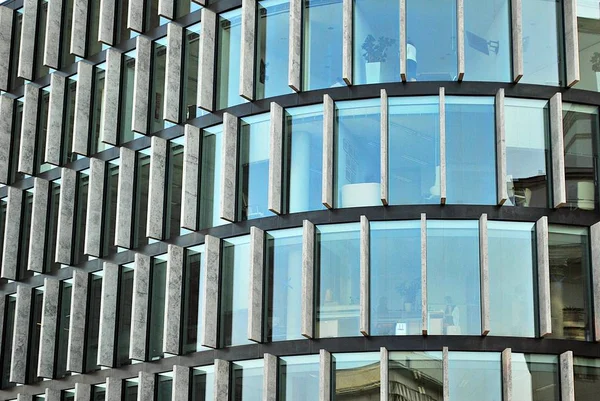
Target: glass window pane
[(127, 84), (376, 41), (142, 183), (193, 294), (93, 321), (247, 381), (97, 105), (416, 374), (470, 150), (92, 28), (83, 183), (210, 177), (66, 289), (6, 351), (298, 378), (253, 185), (431, 40), (53, 209), (15, 81), (202, 383), (110, 210), (322, 59), (42, 129), (98, 392), (395, 278), (174, 188), (338, 273), (356, 376), (26, 214), (535, 377), (357, 153), (414, 140), (304, 156), (474, 376), (453, 290), (283, 287), (35, 334), (580, 130), (67, 155), (228, 59), (527, 152), (587, 378), (235, 271), (511, 253), (190, 76), (130, 390), (569, 282), (542, 47), (14, 175), (124, 315), (588, 28), (157, 93), (272, 47), (156, 319), (488, 40), (164, 386), (68, 395)]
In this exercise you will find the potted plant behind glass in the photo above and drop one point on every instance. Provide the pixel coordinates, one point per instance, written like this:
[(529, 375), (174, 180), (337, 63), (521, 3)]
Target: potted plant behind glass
[(375, 53)]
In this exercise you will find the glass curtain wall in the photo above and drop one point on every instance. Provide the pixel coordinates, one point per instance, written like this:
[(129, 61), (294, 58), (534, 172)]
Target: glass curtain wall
[(93, 45), (338, 280), (142, 182), (164, 386), (125, 303), (235, 273), (13, 174), (66, 58), (542, 42), (6, 351), (587, 378), (474, 376), (126, 98), (253, 175), (570, 269), (98, 392), (193, 295), (298, 378), (52, 231), (247, 380), (303, 144), (93, 321), (470, 150), (512, 261), (356, 376), (229, 37), (488, 50), (322, 59), (157, 91), (527, 130), (283, 284), (110, 208), (395, 278), (453, 284), (376, 41), (156, 314), (580, 130), (67, 156), (64, 315), (15, 81), (431, 40), (357, 147), (415, 375), (83, 183), (42, 129), (174, 188), (35, 327), (588, 28), (272, 48), (25, 232), (191, 45), (535, 377), (414, 140), (97, 105), (202, 383), (210, 177), (130, 390)]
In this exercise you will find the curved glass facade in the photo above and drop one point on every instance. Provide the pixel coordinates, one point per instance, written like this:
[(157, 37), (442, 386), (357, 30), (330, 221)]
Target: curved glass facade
[(299, 200)]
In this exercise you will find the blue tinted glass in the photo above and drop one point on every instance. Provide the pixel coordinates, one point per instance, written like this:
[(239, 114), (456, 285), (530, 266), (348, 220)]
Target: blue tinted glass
[(304, 141), (414, 142), (396, 278), (284, 292), (322, 55), (254, 167), (235, 271), (470, 150), (338, 263), (247, 380), (511, 264), (542, 50), (272, 47), (357, 153), (431, 40), (228, 59), (487, 40), (210, 177), (474, 376), (298, 378), (453, 291), (376, 41)]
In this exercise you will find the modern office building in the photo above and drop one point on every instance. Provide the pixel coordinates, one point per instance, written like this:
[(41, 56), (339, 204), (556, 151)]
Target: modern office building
[(303, 200)]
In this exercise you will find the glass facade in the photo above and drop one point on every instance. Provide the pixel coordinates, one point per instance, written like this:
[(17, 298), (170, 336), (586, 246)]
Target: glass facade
[(474, 376), (156, 315), (536, 377), (357, 154), (338, 280), (356, 375), (298, 378), (201, 383), (229, 35), (247, 381), (193, 294), (415, 374)]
